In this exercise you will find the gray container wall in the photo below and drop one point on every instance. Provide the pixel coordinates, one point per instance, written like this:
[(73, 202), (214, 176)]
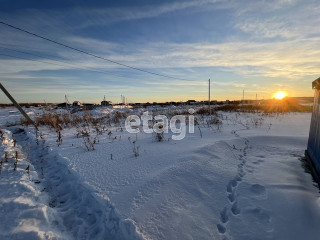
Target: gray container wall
[(314, 135)]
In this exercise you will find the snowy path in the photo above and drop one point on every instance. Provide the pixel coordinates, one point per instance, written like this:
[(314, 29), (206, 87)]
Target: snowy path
[(23, 208), (75, 210)]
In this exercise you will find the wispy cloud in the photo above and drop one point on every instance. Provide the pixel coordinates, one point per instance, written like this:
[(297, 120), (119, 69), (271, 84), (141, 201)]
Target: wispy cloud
[(105, 16), (287, 19), (290, 58), (229, 84), (17, 66)]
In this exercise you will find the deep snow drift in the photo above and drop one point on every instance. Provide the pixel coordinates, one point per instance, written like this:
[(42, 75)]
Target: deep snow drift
[(241, 180)]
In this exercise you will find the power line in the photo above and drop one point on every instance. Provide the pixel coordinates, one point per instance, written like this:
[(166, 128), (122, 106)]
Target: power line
[(7, 55), (71, 65), (36, 55), (90, 54), (1, 54)]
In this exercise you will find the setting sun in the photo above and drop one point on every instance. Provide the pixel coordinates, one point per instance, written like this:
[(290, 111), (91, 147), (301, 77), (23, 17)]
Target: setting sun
[(280, 95)]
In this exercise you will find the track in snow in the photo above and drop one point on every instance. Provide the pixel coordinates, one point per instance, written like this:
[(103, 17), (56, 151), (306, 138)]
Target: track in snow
[(232, 208), (78, 211)]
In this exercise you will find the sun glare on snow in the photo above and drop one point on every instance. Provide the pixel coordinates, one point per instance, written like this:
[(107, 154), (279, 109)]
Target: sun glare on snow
[(279, 95)]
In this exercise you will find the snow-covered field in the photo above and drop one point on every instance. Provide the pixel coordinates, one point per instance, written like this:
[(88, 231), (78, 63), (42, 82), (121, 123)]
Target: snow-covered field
[(243, 179)]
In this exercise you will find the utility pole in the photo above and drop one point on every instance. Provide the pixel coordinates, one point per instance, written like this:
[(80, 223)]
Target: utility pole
[(67, 101), (209, 100), (122, 101), (16, 104), (243, 95)]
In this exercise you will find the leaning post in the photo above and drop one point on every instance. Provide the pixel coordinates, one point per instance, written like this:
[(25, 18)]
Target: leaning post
[(16, 104)]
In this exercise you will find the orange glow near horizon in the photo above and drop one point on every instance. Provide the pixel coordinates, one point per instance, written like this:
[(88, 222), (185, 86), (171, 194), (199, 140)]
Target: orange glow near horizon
[(280, 95)]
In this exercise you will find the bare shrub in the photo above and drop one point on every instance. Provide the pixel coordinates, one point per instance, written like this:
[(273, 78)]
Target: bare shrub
[(205, 111), (159, 137), (135, 149)]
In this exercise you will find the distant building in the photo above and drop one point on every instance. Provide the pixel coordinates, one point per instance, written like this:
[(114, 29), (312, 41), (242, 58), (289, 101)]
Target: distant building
[(106, 103), (76, 104), (313, 149), (191, 102)]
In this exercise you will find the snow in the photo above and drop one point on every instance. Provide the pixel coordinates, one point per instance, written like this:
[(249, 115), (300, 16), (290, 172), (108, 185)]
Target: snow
[(24, 213), (242, 180)]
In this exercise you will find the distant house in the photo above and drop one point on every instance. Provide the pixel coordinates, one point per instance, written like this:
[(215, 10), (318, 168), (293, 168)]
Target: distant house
[(313, 150), (191, 102), (76, 104), (106, 103)]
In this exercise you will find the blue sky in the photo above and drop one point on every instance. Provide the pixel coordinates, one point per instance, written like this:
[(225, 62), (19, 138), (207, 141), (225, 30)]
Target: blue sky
[(259, 46)]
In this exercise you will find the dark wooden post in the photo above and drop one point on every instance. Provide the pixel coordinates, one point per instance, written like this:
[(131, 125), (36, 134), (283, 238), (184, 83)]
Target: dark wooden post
[(16, 104)]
